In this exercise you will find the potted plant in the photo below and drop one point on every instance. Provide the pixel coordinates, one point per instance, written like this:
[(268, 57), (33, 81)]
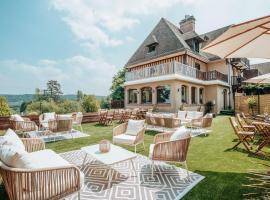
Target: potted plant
[(209, 107), (251, 102)]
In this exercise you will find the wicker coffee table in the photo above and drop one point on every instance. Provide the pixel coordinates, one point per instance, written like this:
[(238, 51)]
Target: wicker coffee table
[(115, 155)]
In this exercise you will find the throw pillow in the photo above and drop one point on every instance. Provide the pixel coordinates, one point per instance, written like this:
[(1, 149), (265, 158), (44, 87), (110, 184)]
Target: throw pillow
[(134, 126), (180, 133), (11, 138)]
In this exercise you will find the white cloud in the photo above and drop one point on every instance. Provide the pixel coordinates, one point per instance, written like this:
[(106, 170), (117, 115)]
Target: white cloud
[(94, 21), (75, 73)]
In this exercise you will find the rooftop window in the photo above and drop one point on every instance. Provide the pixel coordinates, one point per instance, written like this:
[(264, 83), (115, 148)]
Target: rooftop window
[(151, 48)]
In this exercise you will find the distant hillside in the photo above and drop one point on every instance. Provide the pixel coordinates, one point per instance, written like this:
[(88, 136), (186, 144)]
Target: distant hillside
[(15, 100)]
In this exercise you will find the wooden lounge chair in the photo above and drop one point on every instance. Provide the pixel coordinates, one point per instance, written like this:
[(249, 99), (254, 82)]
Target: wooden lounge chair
[(102, 116), (164, 149), (120, 135), (244, 125), (264, 131), (54, 182), (23, 125), (126, 115), (241, 135)]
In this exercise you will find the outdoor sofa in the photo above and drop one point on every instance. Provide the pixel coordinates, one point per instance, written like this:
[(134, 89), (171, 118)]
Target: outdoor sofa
[(31, 172)]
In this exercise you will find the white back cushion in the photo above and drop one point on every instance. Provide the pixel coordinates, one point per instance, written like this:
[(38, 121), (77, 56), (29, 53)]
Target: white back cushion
[(199, 115), (48, 116), (182, 114), (169, 115), (12, 139), (66, 116), (191, 114), (17, 118), (134, 126), (10, 155), (180, 133)]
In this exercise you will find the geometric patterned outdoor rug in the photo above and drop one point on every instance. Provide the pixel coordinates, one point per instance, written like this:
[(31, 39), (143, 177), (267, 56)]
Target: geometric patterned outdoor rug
[(169, 182)]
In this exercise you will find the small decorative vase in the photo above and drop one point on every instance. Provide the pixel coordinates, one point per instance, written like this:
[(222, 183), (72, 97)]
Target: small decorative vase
[(104, 146)]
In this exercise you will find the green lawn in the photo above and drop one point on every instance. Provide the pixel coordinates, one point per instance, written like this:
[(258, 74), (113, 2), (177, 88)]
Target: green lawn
[(225, 170)]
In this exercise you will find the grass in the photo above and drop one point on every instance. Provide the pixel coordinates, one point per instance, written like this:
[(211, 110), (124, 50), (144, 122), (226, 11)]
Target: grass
[(225, 170)]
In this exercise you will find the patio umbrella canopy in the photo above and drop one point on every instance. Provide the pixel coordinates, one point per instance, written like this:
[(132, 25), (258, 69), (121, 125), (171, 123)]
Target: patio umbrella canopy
[(250, 39), (263, 79)]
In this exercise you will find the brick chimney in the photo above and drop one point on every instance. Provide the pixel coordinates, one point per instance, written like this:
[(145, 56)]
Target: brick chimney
[(187, 24)]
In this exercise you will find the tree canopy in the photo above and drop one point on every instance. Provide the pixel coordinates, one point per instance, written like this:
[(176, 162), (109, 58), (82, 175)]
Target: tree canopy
[(54, 90), (4, 107), (117, 88)]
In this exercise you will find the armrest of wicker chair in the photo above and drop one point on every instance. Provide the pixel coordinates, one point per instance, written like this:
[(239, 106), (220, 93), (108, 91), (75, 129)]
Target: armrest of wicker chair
[(140, 136), (120, 129), (45, 183), (162, 137), (33, 144)]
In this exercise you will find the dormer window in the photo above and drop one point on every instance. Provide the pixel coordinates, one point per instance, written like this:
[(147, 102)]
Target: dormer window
[(196, 46), (152, 48)]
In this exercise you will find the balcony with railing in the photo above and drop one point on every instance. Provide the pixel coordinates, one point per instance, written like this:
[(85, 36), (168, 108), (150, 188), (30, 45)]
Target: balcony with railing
[(174, 68)]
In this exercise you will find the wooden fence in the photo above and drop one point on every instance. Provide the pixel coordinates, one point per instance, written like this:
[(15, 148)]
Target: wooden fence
[(263, 104)]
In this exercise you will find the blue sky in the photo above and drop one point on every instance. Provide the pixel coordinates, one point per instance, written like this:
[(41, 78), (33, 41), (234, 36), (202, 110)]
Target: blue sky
[(82, 43)]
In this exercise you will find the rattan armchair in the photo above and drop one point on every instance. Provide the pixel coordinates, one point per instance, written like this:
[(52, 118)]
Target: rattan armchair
[(203, 123), (39, 184), (126, 139), (23, 126), (171, 151)]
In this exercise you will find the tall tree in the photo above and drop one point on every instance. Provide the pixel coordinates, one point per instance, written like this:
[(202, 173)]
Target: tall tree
[(79, 95), (117, 88), (4, 107), (54, 90)]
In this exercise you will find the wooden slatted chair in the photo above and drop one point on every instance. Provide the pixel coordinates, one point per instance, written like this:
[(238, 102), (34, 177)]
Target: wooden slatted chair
[(264, 131), (242, 135), (102, 116), (244, 125)]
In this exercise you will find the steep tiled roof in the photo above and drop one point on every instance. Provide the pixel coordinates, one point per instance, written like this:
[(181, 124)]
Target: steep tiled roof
[(169, 39), (209, 37)]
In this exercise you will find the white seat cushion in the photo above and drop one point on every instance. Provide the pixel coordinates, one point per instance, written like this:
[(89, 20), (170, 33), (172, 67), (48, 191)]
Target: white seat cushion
[(198, 115), (191, 115), (169, 115), (64, 117), (124, 139), (48, 158), (134, 126), (11, 138), (48, 116), (182, 115), (17, 118), (180, 133), (151, 149)]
